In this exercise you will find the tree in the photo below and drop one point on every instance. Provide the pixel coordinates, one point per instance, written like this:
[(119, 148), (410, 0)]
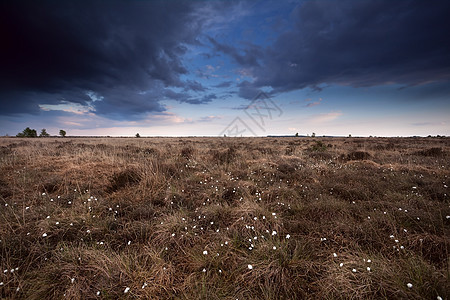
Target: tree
[(27, 132), (296, 135), (313, 134), (62, 133), (138, 135), (44, 133)]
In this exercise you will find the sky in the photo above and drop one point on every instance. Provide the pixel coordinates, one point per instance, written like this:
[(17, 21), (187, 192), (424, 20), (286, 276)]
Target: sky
[(235, 68)]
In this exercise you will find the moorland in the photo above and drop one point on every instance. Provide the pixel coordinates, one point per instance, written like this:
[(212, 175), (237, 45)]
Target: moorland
[(224, 218)]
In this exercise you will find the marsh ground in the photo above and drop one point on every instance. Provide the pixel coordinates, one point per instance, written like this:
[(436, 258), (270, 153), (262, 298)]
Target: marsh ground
[(225, 218)]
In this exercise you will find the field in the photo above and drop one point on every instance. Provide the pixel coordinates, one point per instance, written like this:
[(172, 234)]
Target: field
[(225, 218)]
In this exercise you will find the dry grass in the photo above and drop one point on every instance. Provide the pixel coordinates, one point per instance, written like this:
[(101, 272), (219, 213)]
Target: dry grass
[(183, 218)]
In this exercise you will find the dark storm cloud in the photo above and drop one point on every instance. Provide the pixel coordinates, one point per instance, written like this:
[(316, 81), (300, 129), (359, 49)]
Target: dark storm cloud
[(194, 86), (248, 56), (117, 49), (358, 43), (247, 90), (186, 98), (225, 84)]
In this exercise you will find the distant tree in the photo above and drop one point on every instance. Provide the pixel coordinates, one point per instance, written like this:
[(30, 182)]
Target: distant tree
[(313, 134), (224, 135), (349, 135), (27, 132), (138, 135), (62, 133), (296, 134), (44, 133)]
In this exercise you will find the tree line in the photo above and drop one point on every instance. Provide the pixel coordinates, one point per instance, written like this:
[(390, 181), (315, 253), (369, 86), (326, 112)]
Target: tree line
[(28, 132)]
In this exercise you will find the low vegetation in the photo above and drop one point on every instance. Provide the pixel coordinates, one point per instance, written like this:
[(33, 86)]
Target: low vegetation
[(224, 218)]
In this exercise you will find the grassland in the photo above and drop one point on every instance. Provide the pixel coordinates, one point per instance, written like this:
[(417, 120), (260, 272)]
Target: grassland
[(225, 218)]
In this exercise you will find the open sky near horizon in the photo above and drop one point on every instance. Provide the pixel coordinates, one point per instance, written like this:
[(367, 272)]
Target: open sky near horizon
[(208, 68)]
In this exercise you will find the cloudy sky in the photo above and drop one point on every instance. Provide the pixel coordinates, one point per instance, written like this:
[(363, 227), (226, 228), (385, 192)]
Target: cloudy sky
[(208, 68)]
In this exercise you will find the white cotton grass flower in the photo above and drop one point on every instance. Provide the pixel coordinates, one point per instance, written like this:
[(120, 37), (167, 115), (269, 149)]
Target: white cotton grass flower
[(44, 234), (334, 254), (438, 297), (354, 270), (127, 289), (274, 232), (368, 269), (144, 285), (72, 280), (288, 236), (341, 265), (274, 247), (98, 293), (250, 267), (205, 252), (409, 285)]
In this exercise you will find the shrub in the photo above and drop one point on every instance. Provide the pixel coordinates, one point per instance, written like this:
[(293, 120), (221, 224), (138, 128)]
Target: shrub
[(27, 132)]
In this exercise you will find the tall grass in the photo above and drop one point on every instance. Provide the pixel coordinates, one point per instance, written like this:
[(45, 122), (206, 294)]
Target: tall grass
[(224, 218)]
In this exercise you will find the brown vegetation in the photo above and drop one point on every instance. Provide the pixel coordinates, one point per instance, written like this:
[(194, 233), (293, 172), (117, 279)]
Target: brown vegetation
[(225, 218)]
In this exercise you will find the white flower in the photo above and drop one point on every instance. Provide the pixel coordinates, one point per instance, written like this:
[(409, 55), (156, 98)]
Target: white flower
[(72, 280), (204, 270), (44, 235), (129, 243), (144, 285), (274, 232), (341, 265), (409, 285), (334, 255), (205, 252), (368, 269), (127, 289), (250, 267), (274, 248), (98, 293), (288, 236), (173, 234), (354, 270), (438, 297), (369, 260)]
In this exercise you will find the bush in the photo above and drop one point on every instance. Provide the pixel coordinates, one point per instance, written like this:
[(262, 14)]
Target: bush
[(44, 133), (27, 132)]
